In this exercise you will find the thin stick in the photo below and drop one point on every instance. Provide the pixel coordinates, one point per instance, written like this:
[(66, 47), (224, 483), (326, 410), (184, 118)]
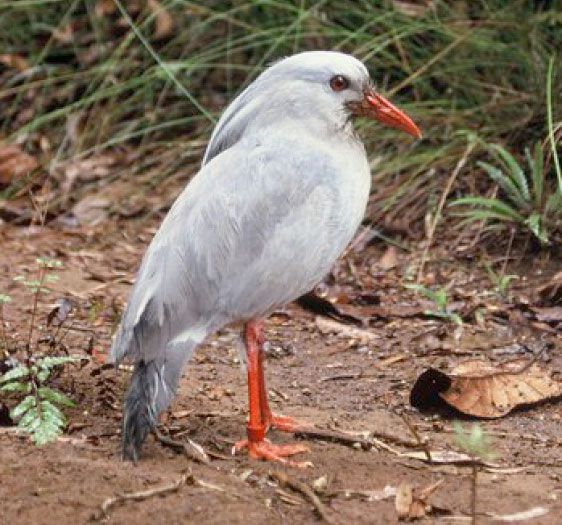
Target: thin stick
[(473, 492), (350, 439), (444, 52), (335, 437), (423, 444), (307, 492), (549, 121), (143, 494), (444, 195)]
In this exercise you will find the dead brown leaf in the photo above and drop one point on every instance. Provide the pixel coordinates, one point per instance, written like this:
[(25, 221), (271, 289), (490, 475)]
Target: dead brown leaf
[(91, 210), (481, 389), (389, 259), (412, 9), (86, 170), (14, 163), (412, 504), (64, 34), (16, 62), (548, 314), (164, 21), (551, 292), (105, 7)]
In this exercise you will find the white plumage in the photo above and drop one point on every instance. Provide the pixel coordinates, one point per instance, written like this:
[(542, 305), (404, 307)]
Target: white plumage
[(282, 189)]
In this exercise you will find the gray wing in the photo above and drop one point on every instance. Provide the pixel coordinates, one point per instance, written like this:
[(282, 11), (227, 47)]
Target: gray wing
[(250, 232)]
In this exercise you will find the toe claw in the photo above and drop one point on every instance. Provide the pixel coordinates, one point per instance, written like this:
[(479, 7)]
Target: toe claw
[(287, 424), (271, 452)]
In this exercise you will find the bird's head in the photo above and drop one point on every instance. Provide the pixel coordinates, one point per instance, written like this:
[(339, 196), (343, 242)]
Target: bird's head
[(338, 82), (310, 87)]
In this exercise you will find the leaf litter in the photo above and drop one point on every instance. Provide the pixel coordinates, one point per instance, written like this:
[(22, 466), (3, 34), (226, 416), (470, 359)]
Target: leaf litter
[(481, 389), (379, 308)]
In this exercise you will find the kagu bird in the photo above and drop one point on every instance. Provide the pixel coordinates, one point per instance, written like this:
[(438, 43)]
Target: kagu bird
[(282, 189)]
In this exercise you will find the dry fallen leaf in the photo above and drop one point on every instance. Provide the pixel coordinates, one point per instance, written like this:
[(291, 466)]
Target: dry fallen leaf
[(105, 7), (16, 62), (389, 259), (164, 21), (551, 292), (91, 210), (548, 314), (481, 389), (413, 9), (403, 499), (412, 504), (64, 34), (14, 163)]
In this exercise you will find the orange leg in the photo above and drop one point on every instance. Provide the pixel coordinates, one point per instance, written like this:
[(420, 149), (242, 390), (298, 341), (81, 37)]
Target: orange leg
[(261, 418)]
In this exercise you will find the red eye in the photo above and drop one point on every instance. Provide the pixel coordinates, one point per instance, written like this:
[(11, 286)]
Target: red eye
[(339, 83)]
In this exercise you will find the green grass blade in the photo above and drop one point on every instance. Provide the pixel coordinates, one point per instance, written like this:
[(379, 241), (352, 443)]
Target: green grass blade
[(550, 124), (536, 167), (506, 184), (514, 170), (494, 206)]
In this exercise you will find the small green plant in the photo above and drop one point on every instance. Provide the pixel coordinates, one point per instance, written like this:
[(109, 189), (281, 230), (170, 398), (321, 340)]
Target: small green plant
[(525, 202), (475, 443), (38, 413), (500, 281), (440, 299)]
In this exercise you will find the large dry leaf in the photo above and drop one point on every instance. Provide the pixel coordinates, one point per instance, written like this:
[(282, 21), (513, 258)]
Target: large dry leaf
[(481, 389)]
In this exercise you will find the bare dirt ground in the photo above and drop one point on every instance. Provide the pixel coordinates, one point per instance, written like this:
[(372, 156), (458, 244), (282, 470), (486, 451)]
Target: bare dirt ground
[(335, 378)]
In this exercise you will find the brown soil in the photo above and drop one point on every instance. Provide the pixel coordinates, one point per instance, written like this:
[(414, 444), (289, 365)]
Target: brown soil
[(66, 482)]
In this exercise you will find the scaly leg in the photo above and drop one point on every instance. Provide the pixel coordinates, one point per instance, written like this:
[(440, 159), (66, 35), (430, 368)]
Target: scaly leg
[(260, 418)]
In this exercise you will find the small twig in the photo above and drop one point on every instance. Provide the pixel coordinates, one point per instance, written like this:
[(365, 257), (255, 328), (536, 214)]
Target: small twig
[(421, 442), (408, 443), (508, 252), (437, 217), (190, 449), (340, 377), (473, 497), (109, 503), (307, 492), (346, 438), (334, 437)]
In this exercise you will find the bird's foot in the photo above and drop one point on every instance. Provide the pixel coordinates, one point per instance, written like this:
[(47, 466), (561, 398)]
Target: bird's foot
[(270, 452), (287, 424)]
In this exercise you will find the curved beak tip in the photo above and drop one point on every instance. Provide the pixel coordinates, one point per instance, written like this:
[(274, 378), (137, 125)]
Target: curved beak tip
[(384, 111)]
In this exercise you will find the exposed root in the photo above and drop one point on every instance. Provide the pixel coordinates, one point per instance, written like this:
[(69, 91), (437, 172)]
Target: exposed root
[(307, 492), (141, 495)]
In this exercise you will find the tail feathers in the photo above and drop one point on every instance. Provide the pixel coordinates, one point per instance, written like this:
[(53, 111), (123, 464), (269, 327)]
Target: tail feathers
[(152, 388)]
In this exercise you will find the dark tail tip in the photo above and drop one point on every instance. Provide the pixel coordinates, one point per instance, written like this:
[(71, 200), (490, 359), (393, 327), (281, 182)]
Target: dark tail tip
[(139, 413)]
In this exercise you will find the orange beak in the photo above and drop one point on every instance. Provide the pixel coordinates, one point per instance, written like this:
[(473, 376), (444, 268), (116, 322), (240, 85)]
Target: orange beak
[(379, 108)]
